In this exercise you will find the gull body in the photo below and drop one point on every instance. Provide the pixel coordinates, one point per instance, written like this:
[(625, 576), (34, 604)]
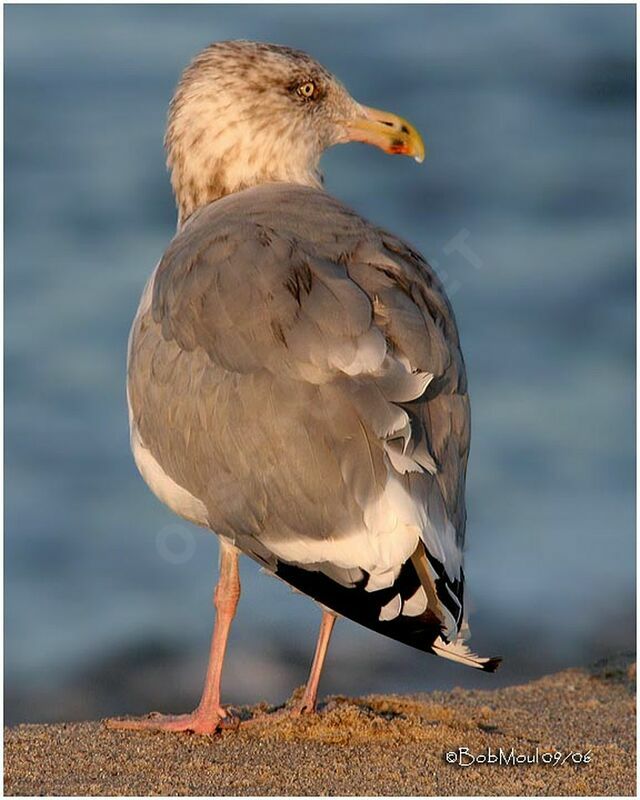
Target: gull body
[(295, 379)]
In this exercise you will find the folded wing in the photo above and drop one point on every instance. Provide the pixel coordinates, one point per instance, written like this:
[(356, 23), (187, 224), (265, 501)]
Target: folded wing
[(298, 371)]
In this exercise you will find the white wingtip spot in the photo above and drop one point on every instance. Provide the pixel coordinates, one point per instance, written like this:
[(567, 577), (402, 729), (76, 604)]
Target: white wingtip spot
[(458, 651), (391, 609), (416, 604), (381, 580)]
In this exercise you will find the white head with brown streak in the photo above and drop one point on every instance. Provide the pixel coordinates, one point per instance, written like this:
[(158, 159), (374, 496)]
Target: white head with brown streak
[(247, 113)]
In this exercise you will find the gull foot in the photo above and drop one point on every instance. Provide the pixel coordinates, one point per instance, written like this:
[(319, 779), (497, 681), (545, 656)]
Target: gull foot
[(196, 722), (302, 708), (297, 710)]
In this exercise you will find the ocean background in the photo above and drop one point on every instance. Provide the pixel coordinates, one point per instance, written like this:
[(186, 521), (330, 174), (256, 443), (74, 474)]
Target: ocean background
[(525, 204)]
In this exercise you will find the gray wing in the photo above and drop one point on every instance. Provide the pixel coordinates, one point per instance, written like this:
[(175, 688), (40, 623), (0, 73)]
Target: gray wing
[(293, 360)]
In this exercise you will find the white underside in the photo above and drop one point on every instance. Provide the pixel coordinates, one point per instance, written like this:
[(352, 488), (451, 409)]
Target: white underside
[(165, 488)]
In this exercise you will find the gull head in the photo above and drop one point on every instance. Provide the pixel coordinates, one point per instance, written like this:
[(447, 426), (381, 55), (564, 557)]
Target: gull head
[(246, 113)]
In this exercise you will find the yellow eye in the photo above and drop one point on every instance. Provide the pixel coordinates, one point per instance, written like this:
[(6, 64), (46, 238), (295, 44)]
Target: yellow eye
[(307, 89)]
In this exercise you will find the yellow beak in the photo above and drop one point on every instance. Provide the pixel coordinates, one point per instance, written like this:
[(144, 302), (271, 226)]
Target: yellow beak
[(387, 131)]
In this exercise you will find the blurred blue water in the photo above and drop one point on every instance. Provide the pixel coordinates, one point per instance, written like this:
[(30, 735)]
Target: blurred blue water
[(528, 113)]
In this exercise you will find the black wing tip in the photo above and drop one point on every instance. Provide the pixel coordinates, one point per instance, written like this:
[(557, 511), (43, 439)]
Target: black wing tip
[(492, 664)]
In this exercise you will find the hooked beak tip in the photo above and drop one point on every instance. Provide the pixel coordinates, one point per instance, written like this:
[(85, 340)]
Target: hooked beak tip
[(389, 132)]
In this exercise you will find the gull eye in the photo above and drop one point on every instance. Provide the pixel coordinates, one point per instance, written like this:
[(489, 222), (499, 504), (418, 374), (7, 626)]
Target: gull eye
[(307, 90)]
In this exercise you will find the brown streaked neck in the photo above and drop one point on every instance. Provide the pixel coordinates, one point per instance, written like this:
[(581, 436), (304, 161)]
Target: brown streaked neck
[(200, 175)]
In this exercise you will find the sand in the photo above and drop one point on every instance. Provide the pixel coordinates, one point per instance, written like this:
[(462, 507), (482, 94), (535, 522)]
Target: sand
[(376, 745)]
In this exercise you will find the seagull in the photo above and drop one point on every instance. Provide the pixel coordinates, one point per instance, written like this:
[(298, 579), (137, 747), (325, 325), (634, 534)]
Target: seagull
[(295, 381)]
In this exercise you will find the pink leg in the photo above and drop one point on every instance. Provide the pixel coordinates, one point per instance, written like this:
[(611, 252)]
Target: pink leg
[(307, 704), (208, 716)]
